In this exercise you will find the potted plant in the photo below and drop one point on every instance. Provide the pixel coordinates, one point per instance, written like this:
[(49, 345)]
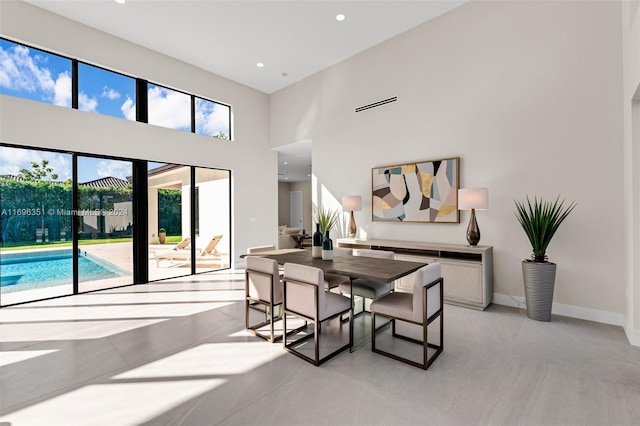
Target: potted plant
[(162, 235), (540, 221), (325, 219)]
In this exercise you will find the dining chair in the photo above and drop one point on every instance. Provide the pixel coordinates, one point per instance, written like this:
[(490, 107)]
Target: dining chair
[(368, 289), (420, 308), (306, 299), (263, 293), (335, 280), (260, 249)]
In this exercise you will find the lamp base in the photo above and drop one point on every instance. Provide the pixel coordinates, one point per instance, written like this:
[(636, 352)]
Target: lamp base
[(473, 232), (353, 229)]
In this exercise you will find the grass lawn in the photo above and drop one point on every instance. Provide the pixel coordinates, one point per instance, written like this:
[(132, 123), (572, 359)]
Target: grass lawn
[(56, 244)]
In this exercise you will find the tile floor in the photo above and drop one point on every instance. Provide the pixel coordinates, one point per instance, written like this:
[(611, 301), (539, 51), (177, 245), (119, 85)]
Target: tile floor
[(175, 353)]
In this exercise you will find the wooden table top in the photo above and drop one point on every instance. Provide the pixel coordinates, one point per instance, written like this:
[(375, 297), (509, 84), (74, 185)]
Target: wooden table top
[(353, 266)]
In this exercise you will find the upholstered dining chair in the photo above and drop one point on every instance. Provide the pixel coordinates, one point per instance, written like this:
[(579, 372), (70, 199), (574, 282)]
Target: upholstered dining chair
[(420, 308), (306, 299), (335, 280), (260, 249), (263, 293), (368, 289)]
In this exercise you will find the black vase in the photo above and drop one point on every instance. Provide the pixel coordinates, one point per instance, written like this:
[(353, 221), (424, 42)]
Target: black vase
[(327, 248), (316, 243)]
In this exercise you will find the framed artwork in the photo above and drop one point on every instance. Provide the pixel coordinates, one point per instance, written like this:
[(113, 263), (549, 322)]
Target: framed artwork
[(426, 191)]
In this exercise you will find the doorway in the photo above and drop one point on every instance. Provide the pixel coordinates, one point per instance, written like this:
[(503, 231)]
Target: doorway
[(296, 211)]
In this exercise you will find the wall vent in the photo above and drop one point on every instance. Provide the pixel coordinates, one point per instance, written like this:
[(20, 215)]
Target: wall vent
[(376, 104)]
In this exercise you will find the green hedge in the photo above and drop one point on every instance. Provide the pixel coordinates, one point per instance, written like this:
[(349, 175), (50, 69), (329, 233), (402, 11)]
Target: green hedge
[(29, 205), (170, 210)]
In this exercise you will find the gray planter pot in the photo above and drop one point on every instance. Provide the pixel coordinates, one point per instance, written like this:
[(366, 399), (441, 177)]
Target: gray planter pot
[(539, 280)]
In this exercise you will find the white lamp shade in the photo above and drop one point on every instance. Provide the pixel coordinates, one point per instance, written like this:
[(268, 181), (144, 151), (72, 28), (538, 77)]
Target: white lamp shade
[(352, 203), (473, 198)]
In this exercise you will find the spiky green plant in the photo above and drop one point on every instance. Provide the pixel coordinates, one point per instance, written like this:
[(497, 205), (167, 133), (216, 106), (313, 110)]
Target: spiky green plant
[(540, 222), (327, 218)]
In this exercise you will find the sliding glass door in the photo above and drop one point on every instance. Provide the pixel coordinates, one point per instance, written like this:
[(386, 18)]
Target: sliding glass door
[(169, 216), (35, 227), (44, 230), (213, 218), (105, 223)]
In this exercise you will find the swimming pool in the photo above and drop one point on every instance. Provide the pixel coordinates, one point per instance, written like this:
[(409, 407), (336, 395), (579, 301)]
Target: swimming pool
[(47, 268)]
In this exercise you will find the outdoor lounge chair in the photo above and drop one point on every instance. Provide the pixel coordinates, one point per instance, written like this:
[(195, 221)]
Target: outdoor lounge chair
[(210, 249), (179, 252), (210, 254), (42, 234)]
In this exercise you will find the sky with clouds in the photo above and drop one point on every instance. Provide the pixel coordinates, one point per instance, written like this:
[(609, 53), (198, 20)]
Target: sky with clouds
[(32, 74)]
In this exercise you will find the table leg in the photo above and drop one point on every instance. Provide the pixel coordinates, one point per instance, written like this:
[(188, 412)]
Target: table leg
[(351, 339)]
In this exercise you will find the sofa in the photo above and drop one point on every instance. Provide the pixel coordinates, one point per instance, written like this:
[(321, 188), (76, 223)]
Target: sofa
[(284, 236)]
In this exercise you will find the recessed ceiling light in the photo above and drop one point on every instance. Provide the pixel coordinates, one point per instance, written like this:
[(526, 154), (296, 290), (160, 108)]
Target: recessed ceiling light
[(260, 64), (286, 162), (340, 17), (121, 1)]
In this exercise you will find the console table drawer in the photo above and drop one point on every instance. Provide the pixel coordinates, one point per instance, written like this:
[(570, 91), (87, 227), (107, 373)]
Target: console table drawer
[(462, 281), (467, 271)]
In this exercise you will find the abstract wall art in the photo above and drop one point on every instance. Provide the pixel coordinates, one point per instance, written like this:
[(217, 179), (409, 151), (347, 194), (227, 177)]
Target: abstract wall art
[(425, 191)]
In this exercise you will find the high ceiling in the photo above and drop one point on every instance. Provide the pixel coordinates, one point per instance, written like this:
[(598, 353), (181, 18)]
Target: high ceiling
[(293, 39)]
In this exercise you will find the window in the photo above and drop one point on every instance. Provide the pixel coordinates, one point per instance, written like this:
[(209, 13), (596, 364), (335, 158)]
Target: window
[(213, 119), (33, 74), (214, 210), (105, 223), (41, 223), (169, 189), (106, 92), (169, 108), (36, 257)]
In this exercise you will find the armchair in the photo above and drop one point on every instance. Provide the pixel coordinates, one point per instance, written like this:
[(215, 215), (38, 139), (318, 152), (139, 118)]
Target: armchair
[(420, 308)]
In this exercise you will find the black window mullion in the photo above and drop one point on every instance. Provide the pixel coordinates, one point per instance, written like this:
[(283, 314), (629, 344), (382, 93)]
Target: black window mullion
[(74, 84), (142, 101), (193, 114), (75, 221), (140, 222), (230, 128), (193, 217)]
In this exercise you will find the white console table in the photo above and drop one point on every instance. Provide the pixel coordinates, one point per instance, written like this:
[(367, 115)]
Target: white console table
[(467, 271)]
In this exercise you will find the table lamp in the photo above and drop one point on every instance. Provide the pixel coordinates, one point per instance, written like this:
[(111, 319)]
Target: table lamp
[(473, 199), (352, 203)]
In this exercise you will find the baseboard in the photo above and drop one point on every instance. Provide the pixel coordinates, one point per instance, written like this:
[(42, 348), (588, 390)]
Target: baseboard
[(572, 311), (632, 335), (507, 300)]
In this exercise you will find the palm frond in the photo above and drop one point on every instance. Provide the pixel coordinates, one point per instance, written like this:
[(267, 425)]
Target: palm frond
[(540, 222), (326, 218)]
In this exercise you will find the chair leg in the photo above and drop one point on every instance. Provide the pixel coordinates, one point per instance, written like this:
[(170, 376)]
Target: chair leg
[(316, 360), (426, 360), (270, 319)]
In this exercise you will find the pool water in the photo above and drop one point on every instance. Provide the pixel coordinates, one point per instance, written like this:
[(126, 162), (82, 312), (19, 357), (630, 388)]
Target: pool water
[(24, 271)]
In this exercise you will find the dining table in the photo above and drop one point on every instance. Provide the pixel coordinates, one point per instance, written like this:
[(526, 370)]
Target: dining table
[(376, 269)]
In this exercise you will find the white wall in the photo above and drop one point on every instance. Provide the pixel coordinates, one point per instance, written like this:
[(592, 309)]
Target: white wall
[(526, 93), (253, 164), (214, 219), (631, 114)]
